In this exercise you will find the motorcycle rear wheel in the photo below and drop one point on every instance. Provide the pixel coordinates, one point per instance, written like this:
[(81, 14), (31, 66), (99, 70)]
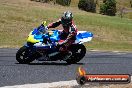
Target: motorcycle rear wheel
[(23, 57), (78, 52)]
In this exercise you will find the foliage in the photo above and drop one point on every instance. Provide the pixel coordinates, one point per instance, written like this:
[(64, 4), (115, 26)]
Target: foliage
[(44, 1), (87, 5), (131, 3), (63, 2), (108, 7)]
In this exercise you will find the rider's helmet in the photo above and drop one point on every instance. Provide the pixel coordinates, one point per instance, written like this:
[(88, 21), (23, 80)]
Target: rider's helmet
[(66, 19)]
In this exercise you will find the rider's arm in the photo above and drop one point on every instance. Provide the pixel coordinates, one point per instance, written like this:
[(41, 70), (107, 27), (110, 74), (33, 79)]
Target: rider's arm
[(72, 32), (54, 24)]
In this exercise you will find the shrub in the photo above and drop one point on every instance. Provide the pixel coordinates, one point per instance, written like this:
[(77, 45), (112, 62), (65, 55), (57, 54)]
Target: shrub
[(131, 3), (43, 1), (87, 5), (63, 2), (108, 7)]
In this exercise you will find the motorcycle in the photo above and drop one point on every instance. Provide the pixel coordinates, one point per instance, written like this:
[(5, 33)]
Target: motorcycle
[(42, 46)]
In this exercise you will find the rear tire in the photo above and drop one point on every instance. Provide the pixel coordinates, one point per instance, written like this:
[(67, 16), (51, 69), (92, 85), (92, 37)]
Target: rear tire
[(78, 52), (24, 55)]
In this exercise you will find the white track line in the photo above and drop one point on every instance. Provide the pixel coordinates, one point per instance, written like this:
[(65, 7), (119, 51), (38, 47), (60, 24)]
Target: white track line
[(60, 84)]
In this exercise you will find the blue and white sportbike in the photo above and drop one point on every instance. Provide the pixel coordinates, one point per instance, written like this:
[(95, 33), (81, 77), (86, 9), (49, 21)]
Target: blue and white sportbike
[(42, 46)]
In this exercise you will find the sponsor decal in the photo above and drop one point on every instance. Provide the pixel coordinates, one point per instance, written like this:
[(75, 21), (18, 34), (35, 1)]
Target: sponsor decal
[(82, 77)]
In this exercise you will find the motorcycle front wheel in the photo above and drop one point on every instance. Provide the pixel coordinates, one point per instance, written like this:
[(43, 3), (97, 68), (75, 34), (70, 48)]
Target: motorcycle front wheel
[(24, 55), (78, 52)]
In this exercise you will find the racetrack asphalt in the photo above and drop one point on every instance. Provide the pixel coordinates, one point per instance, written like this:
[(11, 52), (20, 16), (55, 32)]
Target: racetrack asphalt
[(95, 62)]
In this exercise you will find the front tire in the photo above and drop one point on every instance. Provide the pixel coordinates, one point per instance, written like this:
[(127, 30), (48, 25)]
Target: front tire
[(78, 52), (24, 55)]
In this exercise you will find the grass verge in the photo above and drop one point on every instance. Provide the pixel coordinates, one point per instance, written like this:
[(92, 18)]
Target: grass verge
[(19, 17)]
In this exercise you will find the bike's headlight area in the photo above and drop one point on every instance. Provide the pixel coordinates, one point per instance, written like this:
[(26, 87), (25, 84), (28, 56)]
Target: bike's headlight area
[(31, 39)]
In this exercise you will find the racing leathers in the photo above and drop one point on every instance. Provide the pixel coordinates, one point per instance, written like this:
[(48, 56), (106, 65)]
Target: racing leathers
[(68, 34)]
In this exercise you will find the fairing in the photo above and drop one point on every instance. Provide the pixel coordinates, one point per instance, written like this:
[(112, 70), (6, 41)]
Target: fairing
[(37, 38)]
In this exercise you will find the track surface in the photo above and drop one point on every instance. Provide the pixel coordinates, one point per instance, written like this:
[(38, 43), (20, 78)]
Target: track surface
[(12, 73)]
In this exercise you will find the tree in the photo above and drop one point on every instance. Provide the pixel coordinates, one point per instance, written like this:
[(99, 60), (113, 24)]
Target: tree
[(108, 7), (63, 2), (131, 3), (87, 5)]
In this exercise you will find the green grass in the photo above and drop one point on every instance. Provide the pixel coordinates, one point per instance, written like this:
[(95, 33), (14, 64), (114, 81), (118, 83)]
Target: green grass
[(108, 45), (19, 17)]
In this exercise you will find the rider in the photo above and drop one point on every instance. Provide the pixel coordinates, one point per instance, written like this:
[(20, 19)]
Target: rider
[(69, 30)]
